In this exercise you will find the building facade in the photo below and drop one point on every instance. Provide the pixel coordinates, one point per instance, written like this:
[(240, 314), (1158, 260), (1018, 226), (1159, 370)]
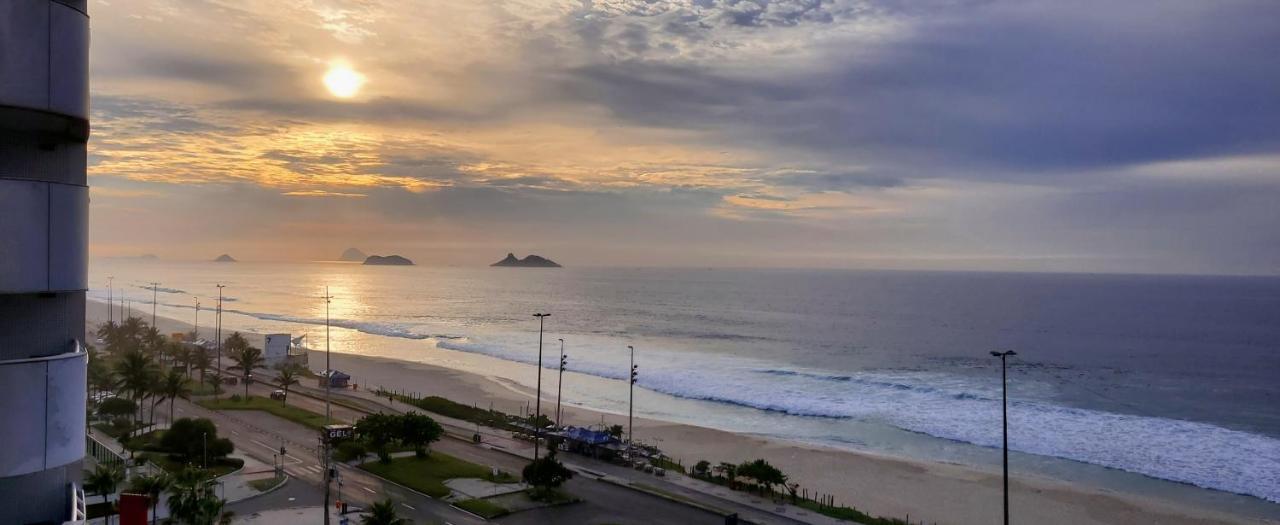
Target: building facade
[(44, 207)]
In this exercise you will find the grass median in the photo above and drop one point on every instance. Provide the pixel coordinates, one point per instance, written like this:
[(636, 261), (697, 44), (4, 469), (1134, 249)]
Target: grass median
[(482, 508), (427, 475), (300, 416)]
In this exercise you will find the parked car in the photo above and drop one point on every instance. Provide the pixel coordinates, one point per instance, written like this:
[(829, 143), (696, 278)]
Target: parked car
[(277, 394)]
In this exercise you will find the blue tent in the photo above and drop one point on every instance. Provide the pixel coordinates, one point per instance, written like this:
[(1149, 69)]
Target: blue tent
[(588, 436)]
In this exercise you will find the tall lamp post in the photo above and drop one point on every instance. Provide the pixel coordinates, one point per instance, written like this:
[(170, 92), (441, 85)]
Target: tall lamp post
[(111, 301), (154, 287), (196, 330), (328, 372), (560, 383), (631, 401), (217, 331), (1004, 386), (537, 410)]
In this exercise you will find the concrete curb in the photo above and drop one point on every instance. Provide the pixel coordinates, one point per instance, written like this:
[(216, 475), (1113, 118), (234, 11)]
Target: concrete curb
[(277, 486)]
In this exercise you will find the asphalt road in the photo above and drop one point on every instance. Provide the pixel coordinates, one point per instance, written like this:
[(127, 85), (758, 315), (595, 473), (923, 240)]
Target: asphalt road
[(260, 435)]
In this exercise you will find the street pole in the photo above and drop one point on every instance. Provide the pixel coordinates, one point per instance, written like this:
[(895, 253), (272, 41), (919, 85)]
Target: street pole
[(328, 372), (560, 384), (154, 287), (1004, 386), (110, 300), (196, 331), (217, 330), (631, 402), (537, 411)]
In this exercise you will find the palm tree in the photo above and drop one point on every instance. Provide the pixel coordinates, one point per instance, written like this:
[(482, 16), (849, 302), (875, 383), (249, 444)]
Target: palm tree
[(134, 371), (287, 377), (109, 332), (172, 387), (152, 486), (246, 358), (199, 358), (99, 374), (383, 513), (103, 481), (154, 341), (193, 499)]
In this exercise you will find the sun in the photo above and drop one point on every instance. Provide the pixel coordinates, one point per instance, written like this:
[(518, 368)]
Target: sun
[(343, 81)]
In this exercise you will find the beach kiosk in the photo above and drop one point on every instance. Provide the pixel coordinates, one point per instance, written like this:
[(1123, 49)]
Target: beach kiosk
[(336, 379), (276, 349)]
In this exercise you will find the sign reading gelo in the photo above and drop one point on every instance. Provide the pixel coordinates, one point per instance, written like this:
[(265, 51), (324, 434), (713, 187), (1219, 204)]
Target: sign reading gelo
[(338, 432)]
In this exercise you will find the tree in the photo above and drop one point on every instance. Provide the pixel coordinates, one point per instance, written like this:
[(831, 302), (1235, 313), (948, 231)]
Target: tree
[(153, 486), (191, 439), (764, 474), (134, 372), (100, 377), (174, 386), (616, 431), (116, 408), (198, 358), (193, 499), (379, 430), (730, 472), (103, 481), (246, 358), (419, 431), (287, 377), (546, 473), (383, 513), (702, 467)]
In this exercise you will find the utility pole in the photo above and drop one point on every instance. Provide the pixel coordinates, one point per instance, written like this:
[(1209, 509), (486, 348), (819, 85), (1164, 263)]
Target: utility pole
[(1004, 385), (560, 383), (328, 372), (196, 331), (537, 411), (217, 330), (154, 287), (631, 408), (111, 301)]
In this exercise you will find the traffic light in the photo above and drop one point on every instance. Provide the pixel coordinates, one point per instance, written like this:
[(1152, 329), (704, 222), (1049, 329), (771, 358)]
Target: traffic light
[(634, 373), (564, 360)]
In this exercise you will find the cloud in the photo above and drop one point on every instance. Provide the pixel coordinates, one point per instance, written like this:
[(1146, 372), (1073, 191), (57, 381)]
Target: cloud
[(322, 193)]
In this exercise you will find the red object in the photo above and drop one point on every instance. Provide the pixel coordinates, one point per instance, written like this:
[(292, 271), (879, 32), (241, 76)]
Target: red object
[(133, 509)]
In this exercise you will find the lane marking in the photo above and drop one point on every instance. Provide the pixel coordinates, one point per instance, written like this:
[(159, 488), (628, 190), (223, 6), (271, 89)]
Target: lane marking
[(408, 506), (371, 491)]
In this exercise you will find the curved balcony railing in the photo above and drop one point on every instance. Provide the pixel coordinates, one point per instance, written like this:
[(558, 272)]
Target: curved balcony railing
[(45, 415)]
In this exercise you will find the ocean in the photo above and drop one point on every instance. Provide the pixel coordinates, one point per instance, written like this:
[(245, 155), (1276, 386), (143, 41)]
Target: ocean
[(1118, 377)]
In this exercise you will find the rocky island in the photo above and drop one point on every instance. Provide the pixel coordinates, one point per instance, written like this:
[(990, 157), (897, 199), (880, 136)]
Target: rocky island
[(225, 258), (532, 261), (389, 260), (353, 255)]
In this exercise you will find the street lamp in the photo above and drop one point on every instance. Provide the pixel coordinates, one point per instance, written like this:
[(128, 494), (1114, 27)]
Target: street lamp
[(1004, 385), (111, 301), (196, 330), (560, 383), (154, 287), (537, 411), (217, 331), (328, 372), (631, 395)]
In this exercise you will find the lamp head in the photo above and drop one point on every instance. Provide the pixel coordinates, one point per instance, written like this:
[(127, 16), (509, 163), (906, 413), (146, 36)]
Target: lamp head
[(995, 353)]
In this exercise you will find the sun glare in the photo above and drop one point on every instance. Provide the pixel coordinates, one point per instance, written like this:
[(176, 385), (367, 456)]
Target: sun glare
[(343, 81)]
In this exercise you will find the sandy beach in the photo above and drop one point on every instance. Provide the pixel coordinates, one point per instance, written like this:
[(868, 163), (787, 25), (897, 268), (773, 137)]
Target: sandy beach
[(929, 491)]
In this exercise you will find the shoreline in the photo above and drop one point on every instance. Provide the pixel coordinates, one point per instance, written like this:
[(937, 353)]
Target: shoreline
[(884, 485)]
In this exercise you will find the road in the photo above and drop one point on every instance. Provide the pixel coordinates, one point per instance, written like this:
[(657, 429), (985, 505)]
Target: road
[(260, 435)]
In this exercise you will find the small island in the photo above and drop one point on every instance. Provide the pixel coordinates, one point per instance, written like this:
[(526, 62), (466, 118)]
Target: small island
[(224, 258), (389, 260), (532, 261), (353, 255)]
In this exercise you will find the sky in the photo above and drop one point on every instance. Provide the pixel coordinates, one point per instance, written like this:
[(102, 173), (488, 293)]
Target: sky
[(1138, 136)]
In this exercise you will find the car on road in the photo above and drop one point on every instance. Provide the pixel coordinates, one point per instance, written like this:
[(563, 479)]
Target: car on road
[(277, 394)]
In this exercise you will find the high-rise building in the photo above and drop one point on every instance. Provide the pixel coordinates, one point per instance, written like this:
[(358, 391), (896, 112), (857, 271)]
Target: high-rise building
[(44, 208)]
